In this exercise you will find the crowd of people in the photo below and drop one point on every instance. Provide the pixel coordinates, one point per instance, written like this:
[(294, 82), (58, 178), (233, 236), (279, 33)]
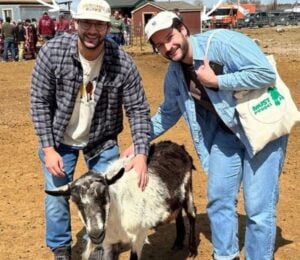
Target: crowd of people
[(120, 27), (18, 40)]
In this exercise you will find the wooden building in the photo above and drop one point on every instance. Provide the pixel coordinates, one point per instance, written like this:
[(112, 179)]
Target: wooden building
[(190, 14), (124, 6)]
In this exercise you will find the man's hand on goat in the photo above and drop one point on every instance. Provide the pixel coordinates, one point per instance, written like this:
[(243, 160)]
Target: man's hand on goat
[(139, 164)]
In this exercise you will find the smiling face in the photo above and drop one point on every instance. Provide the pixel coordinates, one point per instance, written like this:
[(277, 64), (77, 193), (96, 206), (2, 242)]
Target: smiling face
[(173, 43), (91, 35)]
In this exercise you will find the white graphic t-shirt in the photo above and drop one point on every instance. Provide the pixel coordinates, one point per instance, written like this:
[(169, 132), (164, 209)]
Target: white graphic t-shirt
[(77, 132)]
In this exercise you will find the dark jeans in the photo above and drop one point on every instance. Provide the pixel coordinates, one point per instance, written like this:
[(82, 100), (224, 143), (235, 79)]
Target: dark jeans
[(9, 44), (117, 38)]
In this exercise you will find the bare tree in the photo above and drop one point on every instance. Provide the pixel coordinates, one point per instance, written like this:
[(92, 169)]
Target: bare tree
[(272, 5), (257, 2)]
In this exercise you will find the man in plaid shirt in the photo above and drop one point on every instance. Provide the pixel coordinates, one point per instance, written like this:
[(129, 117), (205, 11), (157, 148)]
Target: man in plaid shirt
[(80, 84)]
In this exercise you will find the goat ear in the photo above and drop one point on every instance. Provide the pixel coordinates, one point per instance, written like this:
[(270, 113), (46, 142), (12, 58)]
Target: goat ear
[(116, 177), (64, 190)]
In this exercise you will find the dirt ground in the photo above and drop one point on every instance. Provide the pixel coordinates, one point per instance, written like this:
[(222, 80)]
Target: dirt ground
[(22, 189)]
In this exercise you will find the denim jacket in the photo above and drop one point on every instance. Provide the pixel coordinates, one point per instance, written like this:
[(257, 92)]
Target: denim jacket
[(245, 67)]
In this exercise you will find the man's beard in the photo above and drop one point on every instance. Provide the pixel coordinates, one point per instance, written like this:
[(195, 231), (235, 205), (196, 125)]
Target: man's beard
[(184, 50), (95, 46)]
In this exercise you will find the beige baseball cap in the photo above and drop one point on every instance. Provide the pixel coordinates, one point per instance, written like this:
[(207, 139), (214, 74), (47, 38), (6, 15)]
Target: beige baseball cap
[(161, 21), (93, 10)]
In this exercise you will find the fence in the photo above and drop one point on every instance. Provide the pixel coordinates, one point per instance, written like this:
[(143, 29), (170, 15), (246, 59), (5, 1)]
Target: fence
[(138, 38)]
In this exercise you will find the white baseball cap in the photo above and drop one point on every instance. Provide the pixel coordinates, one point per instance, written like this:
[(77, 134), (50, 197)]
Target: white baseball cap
[(93, 10), (161, 21)]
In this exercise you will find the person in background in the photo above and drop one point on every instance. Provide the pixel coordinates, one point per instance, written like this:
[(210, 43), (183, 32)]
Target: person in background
[(30, 39), (35, 34), (1, 23), (9, 40), (62, 25), (34, 25), (20, 39), (72, 28), (200, 87), (80, 84), (34, 22), (1, 38), (117, 28), (127, 32), (46, 27)]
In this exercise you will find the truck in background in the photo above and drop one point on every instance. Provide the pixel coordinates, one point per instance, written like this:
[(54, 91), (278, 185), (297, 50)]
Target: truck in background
[(258, 19), (270, 18), (227, 15)]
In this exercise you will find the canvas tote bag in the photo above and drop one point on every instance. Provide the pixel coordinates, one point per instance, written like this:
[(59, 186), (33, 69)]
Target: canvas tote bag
[(265, 114)]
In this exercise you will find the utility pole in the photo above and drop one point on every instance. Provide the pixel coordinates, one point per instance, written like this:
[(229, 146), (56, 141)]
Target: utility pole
[(274, 5)]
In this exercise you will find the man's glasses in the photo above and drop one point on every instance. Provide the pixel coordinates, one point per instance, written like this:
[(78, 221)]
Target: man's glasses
[(86, 25)]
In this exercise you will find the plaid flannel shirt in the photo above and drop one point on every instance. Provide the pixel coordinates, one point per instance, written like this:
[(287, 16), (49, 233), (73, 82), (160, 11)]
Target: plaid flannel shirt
[(56, 80)]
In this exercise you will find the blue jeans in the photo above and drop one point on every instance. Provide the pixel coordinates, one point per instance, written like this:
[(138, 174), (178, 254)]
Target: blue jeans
[(230, 166), (117, 38), (58, 219), (9, 44)]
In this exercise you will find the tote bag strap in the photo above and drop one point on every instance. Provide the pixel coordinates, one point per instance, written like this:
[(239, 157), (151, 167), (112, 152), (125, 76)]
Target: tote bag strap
[(210, 38)]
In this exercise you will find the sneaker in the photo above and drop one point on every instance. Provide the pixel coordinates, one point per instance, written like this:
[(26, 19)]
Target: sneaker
[(62, 253)]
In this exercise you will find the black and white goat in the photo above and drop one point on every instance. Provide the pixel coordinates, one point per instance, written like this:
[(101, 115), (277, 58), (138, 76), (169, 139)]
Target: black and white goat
[(115, 211)]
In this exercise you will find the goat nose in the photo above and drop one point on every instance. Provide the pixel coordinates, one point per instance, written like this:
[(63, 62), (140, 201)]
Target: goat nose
[(97, 236)]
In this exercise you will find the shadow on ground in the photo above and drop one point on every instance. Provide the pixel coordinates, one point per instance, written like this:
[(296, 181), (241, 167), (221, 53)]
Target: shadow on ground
[(162, 240)]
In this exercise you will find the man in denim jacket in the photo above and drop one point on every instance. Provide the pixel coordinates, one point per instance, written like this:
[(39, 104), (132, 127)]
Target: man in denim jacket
[(80, 84), (207, 103)]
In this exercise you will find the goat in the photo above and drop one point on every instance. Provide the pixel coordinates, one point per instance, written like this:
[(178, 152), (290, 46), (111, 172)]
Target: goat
[(115, 211)]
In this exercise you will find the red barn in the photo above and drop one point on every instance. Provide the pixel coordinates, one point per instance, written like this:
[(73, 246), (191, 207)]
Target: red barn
[(190, 14)]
